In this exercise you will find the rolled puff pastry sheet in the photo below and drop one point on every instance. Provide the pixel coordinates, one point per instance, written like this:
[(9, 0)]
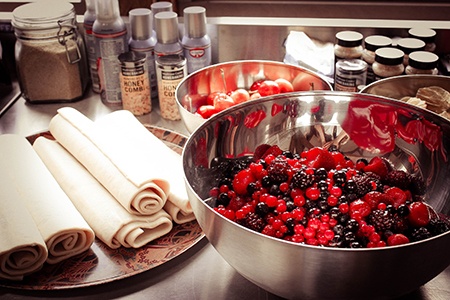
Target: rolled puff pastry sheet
[(151, 154), (111, 222), (131, 176), (62, 227), (22, 248)]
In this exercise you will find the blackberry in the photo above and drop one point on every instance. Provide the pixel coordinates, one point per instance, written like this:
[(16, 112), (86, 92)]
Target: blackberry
[(364, 184), (338, 229), (420, 233), (382, 220), (398, 178), (438, 226), (253, 221), (287, 154), (278, 170), (262, 209), (302, 180)]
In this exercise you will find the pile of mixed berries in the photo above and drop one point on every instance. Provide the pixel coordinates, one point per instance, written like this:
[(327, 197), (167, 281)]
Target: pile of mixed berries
[(321, 197)]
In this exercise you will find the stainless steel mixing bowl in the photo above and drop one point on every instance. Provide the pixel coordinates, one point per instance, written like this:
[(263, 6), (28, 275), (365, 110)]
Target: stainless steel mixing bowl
[(405, 86), (361, 126), (229, 76)]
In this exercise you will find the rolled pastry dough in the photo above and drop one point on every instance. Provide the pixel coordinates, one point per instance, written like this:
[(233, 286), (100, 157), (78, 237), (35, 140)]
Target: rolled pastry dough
[(22, 248), (136, 184), (111, 222), (62, 227)]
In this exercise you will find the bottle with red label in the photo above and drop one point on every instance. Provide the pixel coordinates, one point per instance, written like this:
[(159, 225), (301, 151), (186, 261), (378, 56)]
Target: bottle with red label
[(196, 42)]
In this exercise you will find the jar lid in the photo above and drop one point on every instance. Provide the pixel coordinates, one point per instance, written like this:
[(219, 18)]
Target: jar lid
[(389, 56), (423, 60), (132, 58), (349, 38), (166, 23), (425, 34), (409, 45), (43, 14), (374, 42)]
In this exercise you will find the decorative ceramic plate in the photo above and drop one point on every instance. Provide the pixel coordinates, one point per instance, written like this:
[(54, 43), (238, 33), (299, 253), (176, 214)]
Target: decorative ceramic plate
[(101, 264)]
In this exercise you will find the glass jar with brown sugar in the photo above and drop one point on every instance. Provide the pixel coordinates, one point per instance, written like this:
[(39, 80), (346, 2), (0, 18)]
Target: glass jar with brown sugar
[(49, 52)]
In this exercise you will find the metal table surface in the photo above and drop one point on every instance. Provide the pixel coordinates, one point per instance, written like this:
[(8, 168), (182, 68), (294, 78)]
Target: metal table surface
[(199, 273)]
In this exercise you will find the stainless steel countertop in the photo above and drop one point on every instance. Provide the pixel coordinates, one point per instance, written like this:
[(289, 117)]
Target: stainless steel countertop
[(199, 273)]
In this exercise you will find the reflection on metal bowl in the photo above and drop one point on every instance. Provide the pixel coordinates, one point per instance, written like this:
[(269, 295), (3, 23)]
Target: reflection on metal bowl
[(360, 125), (406, 85), (228, 76)]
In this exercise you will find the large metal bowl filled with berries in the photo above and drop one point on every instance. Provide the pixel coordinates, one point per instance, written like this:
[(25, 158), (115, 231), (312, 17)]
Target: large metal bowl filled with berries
[(325, 195), (219, 86)]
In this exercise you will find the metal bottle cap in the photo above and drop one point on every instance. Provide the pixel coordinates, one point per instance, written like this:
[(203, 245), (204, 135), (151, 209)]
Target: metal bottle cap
[(195, 21), (158, 7), (141, 23), (167, 27), (107, 10)]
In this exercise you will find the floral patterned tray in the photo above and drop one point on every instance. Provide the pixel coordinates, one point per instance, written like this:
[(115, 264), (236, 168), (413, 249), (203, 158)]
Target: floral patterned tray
[(100, 264)]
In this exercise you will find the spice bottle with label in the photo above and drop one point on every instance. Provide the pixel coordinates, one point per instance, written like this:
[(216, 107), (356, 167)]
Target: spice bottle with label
[(49, 52), (427, 35), (196, 42), (135, 83), (422, 62), (170, 70), (388, 62), (142, 40), (88, 21), (371, 44), (167, 35), (408, 45), (350, 75), (111, 40)]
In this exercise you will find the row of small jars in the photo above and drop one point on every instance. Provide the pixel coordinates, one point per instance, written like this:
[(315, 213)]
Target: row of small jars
[(410, 56)]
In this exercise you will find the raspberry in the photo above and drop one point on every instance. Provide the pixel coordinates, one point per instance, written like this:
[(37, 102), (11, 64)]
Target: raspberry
[(242, 180), (397, 239), (419, 214)]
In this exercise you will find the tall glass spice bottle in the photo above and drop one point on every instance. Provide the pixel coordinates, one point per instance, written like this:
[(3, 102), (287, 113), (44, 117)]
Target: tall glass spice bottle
[(110, 34), (88, 21), (371, 44), (49, 52), (142, 40), (167, 35), (196, 42)]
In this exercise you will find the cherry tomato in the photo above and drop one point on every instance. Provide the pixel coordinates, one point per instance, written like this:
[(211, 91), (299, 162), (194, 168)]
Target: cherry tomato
[(268, 87), (285, 85), (240, 95), (223, 102), (206, 111), (255, 85), (307, 82)]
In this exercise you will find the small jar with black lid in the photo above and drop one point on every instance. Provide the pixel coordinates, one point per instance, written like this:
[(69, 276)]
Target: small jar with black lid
[(422, 62), (388, 62), (427, 35), (371, 44), (348, 45), (409, 45)]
